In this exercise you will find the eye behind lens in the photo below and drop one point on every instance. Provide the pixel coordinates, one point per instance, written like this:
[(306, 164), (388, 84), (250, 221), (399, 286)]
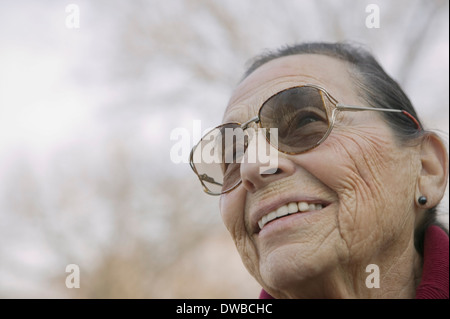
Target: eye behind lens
[(301, 118)]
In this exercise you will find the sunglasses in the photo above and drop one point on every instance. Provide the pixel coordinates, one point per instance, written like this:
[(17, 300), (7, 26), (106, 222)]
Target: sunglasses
[(304, 117)]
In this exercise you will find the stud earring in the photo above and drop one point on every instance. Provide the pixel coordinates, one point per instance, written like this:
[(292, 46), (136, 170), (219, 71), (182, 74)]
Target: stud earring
[(422, 200)]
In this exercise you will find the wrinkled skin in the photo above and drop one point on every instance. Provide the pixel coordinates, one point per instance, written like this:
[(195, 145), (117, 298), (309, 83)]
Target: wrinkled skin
[(368, 180)]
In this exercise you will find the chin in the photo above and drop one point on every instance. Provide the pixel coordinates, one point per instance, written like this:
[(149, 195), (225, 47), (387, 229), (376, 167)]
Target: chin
[(287, 269)]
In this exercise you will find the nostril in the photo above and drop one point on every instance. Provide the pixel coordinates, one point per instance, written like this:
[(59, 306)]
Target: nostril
[(271, 171)]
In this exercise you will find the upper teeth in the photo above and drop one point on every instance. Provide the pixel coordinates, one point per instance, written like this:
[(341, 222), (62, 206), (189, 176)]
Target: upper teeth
[(290, 208)]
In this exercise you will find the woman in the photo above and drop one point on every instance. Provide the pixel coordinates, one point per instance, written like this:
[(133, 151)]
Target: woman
[(350, 209)]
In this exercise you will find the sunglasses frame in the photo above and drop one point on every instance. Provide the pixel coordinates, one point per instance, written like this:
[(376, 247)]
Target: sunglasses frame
[(337, 107)]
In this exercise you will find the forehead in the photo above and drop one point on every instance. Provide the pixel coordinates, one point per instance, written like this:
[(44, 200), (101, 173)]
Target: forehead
[(278, 74)]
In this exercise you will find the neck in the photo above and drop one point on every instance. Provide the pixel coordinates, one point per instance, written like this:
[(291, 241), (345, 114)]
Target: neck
[(397, 268), (400, 274)]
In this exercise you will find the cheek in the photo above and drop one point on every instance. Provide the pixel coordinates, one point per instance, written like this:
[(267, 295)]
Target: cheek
[(370, 169), (232, 207), (231, 210), (370, 176)]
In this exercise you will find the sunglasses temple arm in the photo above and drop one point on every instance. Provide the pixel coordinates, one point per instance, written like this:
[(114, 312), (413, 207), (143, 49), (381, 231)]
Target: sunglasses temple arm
[(343, 107)]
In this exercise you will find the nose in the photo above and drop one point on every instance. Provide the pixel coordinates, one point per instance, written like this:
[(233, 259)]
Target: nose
[(260, 168)]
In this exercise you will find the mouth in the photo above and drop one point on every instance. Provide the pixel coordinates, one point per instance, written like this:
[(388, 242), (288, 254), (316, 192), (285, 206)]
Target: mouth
[(289, 209)]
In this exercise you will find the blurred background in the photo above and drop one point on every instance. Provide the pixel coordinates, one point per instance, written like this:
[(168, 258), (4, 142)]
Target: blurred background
[(87, 109)]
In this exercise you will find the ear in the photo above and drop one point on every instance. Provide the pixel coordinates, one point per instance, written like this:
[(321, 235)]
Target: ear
[(434, 173)]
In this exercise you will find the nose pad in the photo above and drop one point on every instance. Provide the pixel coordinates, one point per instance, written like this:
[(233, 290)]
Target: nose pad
[(259, 167)]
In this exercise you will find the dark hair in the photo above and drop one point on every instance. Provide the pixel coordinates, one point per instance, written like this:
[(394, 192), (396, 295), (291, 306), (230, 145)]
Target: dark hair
[(377, 88)]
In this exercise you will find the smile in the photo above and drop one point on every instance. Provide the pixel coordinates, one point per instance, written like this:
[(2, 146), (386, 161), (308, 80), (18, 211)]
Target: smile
[(288, 209)]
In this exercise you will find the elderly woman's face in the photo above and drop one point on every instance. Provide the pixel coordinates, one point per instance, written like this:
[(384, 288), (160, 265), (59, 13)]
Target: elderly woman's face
[(358, 210)]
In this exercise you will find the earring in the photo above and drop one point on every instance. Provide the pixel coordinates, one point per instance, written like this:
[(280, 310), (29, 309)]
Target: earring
[(422, 200)]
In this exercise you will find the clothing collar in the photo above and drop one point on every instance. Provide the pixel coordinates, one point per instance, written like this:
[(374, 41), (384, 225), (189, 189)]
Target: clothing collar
[(434, 283)]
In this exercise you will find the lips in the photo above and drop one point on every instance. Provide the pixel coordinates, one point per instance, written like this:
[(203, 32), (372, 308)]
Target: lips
[(268, 214), (289, 209)]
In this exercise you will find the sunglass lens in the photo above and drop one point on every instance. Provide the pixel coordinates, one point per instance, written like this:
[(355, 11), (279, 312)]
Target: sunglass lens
[(300, 116), (217, 157)]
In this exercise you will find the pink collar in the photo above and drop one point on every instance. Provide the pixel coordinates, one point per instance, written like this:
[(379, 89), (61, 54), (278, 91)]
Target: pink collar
[(435, 273), (434, 284)]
